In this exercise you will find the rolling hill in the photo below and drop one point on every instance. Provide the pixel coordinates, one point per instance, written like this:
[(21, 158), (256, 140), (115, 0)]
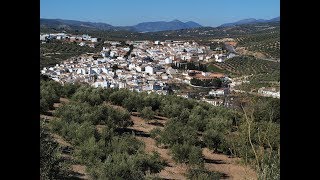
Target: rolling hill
[(61, 24), (250, 21), (164, 26)]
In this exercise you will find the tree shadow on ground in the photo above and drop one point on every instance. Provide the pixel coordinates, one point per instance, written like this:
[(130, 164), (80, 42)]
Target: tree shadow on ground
[(224, 176), (212, 161), (155, 123), (132, 131)]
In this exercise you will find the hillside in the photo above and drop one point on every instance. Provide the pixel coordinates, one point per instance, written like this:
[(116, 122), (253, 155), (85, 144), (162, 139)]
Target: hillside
[(195, 33), (62, 24), (250, 21), (55, 52), (207, 33), (266, 43), (119, 134), (164, 26), (72, 25)]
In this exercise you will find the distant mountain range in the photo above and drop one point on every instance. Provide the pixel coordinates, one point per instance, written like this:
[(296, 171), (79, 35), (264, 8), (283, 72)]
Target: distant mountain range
[(72, 24), (164, 26), (61, 24), (250, 21), (141, 27)]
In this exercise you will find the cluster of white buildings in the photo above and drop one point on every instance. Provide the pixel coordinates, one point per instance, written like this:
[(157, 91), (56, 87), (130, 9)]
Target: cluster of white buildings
[(82, 39), (142, 66), (223, 57)]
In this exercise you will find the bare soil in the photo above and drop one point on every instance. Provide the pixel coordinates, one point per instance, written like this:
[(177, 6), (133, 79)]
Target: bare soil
[(80, 171), (227, 166)]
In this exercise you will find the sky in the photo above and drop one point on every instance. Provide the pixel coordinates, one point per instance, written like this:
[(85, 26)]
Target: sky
[(131, 12)]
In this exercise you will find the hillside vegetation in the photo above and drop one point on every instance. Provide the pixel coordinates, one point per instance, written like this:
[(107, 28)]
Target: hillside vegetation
[(110, 153), (54, 52), (201, 33), (247, 65), (268, 43)]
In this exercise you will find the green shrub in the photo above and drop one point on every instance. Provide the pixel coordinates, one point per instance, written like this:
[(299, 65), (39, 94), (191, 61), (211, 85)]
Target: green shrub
[(147, 113), (202, 174), (186, 153)]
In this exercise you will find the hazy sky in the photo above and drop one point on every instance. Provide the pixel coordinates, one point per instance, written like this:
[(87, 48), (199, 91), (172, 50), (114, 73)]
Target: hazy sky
[(131, 12)]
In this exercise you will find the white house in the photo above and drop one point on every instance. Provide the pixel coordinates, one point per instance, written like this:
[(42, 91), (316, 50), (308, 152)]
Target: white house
[(85, 37), (81, 71), (43, 37), (215, 102), (231, 55), (82, 44), (168, 61), (122, 85), (132, 66), (219, 92), (113, 53), (138, 69), (149, 69), (220, 57), (170, 70), (165, 77), (94, 39), (126, 49)]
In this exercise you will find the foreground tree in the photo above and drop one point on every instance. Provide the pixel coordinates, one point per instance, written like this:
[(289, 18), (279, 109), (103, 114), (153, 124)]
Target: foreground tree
[(147, 113), (50, 163)]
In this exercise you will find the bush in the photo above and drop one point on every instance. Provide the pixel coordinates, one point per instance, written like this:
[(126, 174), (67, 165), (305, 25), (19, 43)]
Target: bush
[(203, 174), (178, 133), (212, 139), (118, 97), (125, 166), (50, 92), (69, 89), (91, 95), (89, 151), (51, 166), (125, 144), (186, 153), (147, 113), (270, 167)]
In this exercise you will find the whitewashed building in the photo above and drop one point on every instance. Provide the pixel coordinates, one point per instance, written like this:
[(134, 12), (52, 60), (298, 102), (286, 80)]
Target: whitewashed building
[(149, 69)]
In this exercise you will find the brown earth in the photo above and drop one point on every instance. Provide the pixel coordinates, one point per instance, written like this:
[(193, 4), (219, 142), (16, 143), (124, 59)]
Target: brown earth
[(227, 166), (80, 171)]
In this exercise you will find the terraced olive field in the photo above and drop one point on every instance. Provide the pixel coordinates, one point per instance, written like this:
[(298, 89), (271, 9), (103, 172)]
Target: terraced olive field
[(268, 44), (54, 52), (244, 65)]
